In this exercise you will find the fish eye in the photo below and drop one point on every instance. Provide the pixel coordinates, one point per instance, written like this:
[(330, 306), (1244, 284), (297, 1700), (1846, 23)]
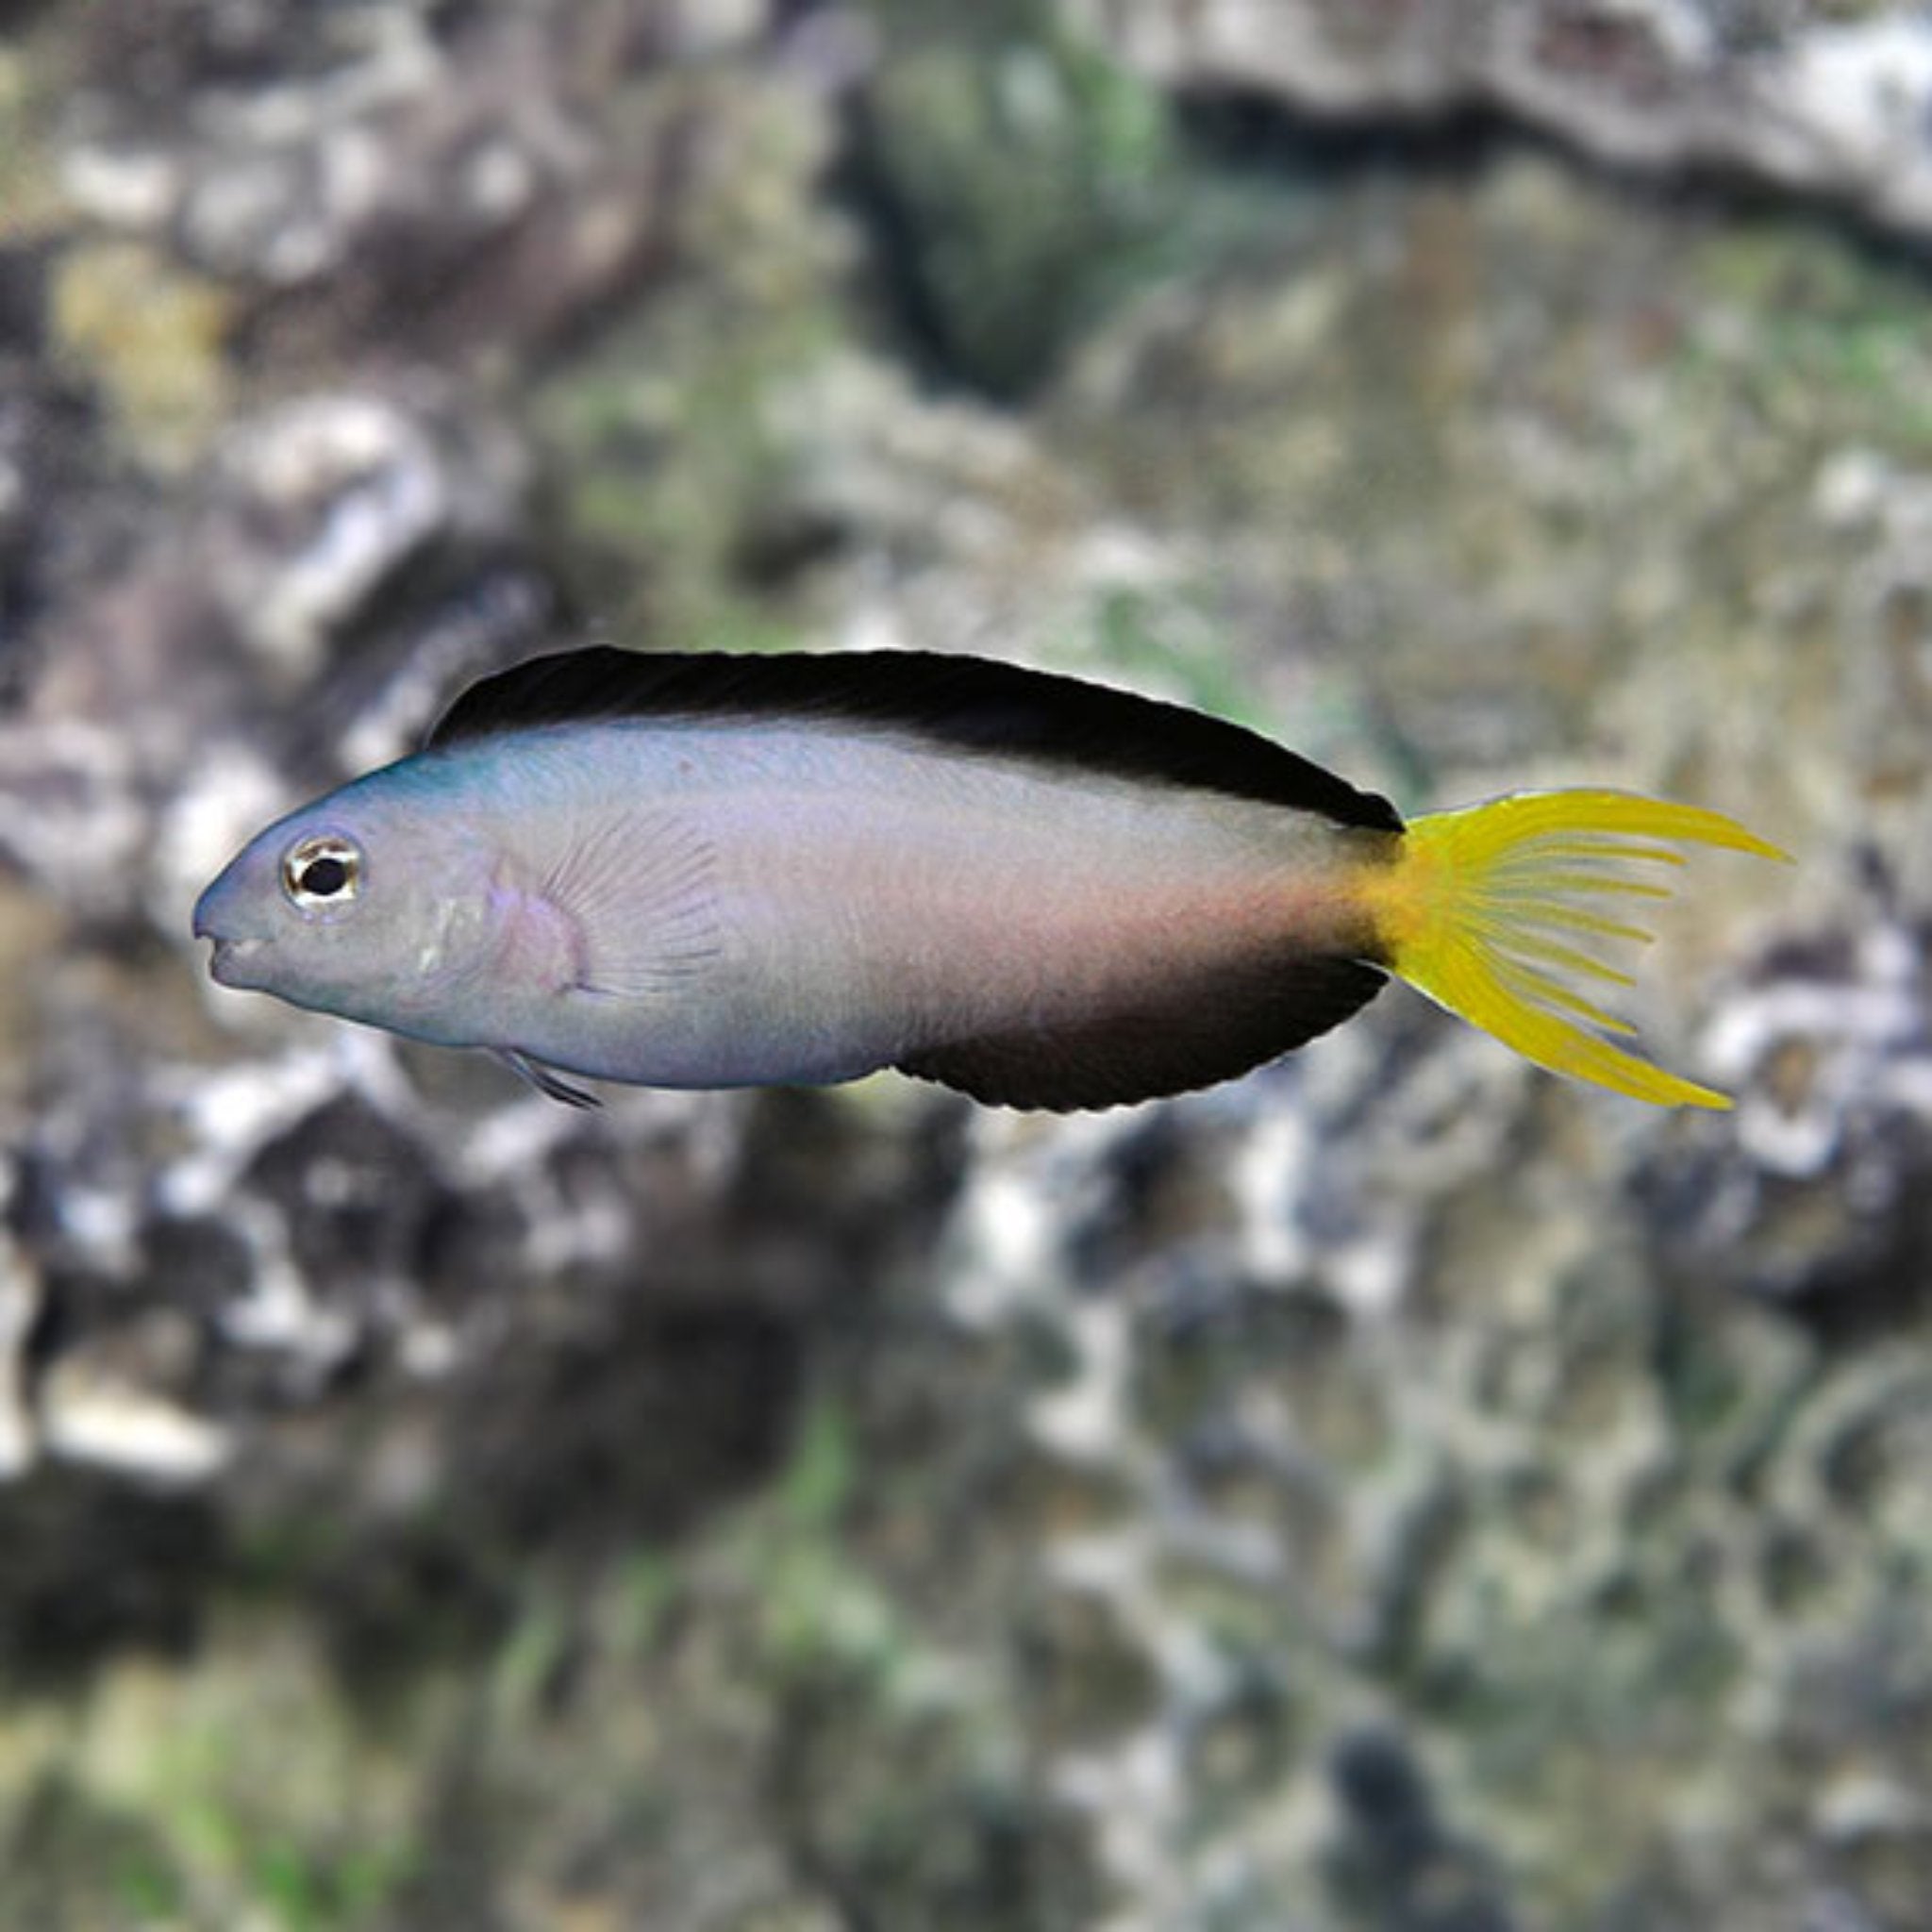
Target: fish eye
[(323, 870)]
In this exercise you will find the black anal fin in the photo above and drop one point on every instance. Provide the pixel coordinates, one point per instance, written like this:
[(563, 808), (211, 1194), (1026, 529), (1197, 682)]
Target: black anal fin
[(546, 1080), (1170, 1042)]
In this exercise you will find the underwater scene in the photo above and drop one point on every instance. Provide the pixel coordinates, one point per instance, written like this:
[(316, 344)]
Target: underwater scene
[(1084, 1467)]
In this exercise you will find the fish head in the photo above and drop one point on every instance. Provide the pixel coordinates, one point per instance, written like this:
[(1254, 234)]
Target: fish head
[(363, 905)]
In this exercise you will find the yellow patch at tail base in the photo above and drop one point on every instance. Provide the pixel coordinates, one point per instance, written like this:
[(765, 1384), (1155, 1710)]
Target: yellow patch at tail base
[(1495, 911)]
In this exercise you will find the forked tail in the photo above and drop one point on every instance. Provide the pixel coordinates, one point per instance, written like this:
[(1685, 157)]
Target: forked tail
[(1496, 910)]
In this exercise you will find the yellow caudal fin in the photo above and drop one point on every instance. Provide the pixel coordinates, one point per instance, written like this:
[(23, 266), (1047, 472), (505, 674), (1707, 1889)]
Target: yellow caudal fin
[(1497, 910)]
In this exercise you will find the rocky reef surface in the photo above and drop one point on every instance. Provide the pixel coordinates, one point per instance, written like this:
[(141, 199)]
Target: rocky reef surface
[(1393, 1491), (1827, 100)]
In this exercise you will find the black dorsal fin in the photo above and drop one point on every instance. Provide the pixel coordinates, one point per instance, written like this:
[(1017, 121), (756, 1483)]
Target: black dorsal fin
[(1190, 1033), (963, 703)]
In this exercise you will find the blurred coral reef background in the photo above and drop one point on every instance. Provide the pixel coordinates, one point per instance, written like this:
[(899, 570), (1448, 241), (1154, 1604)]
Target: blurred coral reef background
[(1396, 1492)]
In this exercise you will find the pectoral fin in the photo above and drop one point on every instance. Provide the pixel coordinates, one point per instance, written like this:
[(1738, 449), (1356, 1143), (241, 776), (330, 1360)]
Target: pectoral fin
[(640, 891)]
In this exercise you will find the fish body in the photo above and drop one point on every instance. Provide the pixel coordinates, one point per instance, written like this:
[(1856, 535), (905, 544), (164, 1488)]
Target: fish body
[(711, 871)]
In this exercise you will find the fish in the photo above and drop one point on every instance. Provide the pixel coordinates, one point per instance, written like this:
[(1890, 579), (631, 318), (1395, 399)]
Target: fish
[(716, 869)]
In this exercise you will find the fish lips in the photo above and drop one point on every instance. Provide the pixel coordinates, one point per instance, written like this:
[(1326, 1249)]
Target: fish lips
[(237, 959), (233, 963)]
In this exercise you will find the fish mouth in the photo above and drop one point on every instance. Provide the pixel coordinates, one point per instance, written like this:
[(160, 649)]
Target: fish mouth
[(228, 963), (233, 955)]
